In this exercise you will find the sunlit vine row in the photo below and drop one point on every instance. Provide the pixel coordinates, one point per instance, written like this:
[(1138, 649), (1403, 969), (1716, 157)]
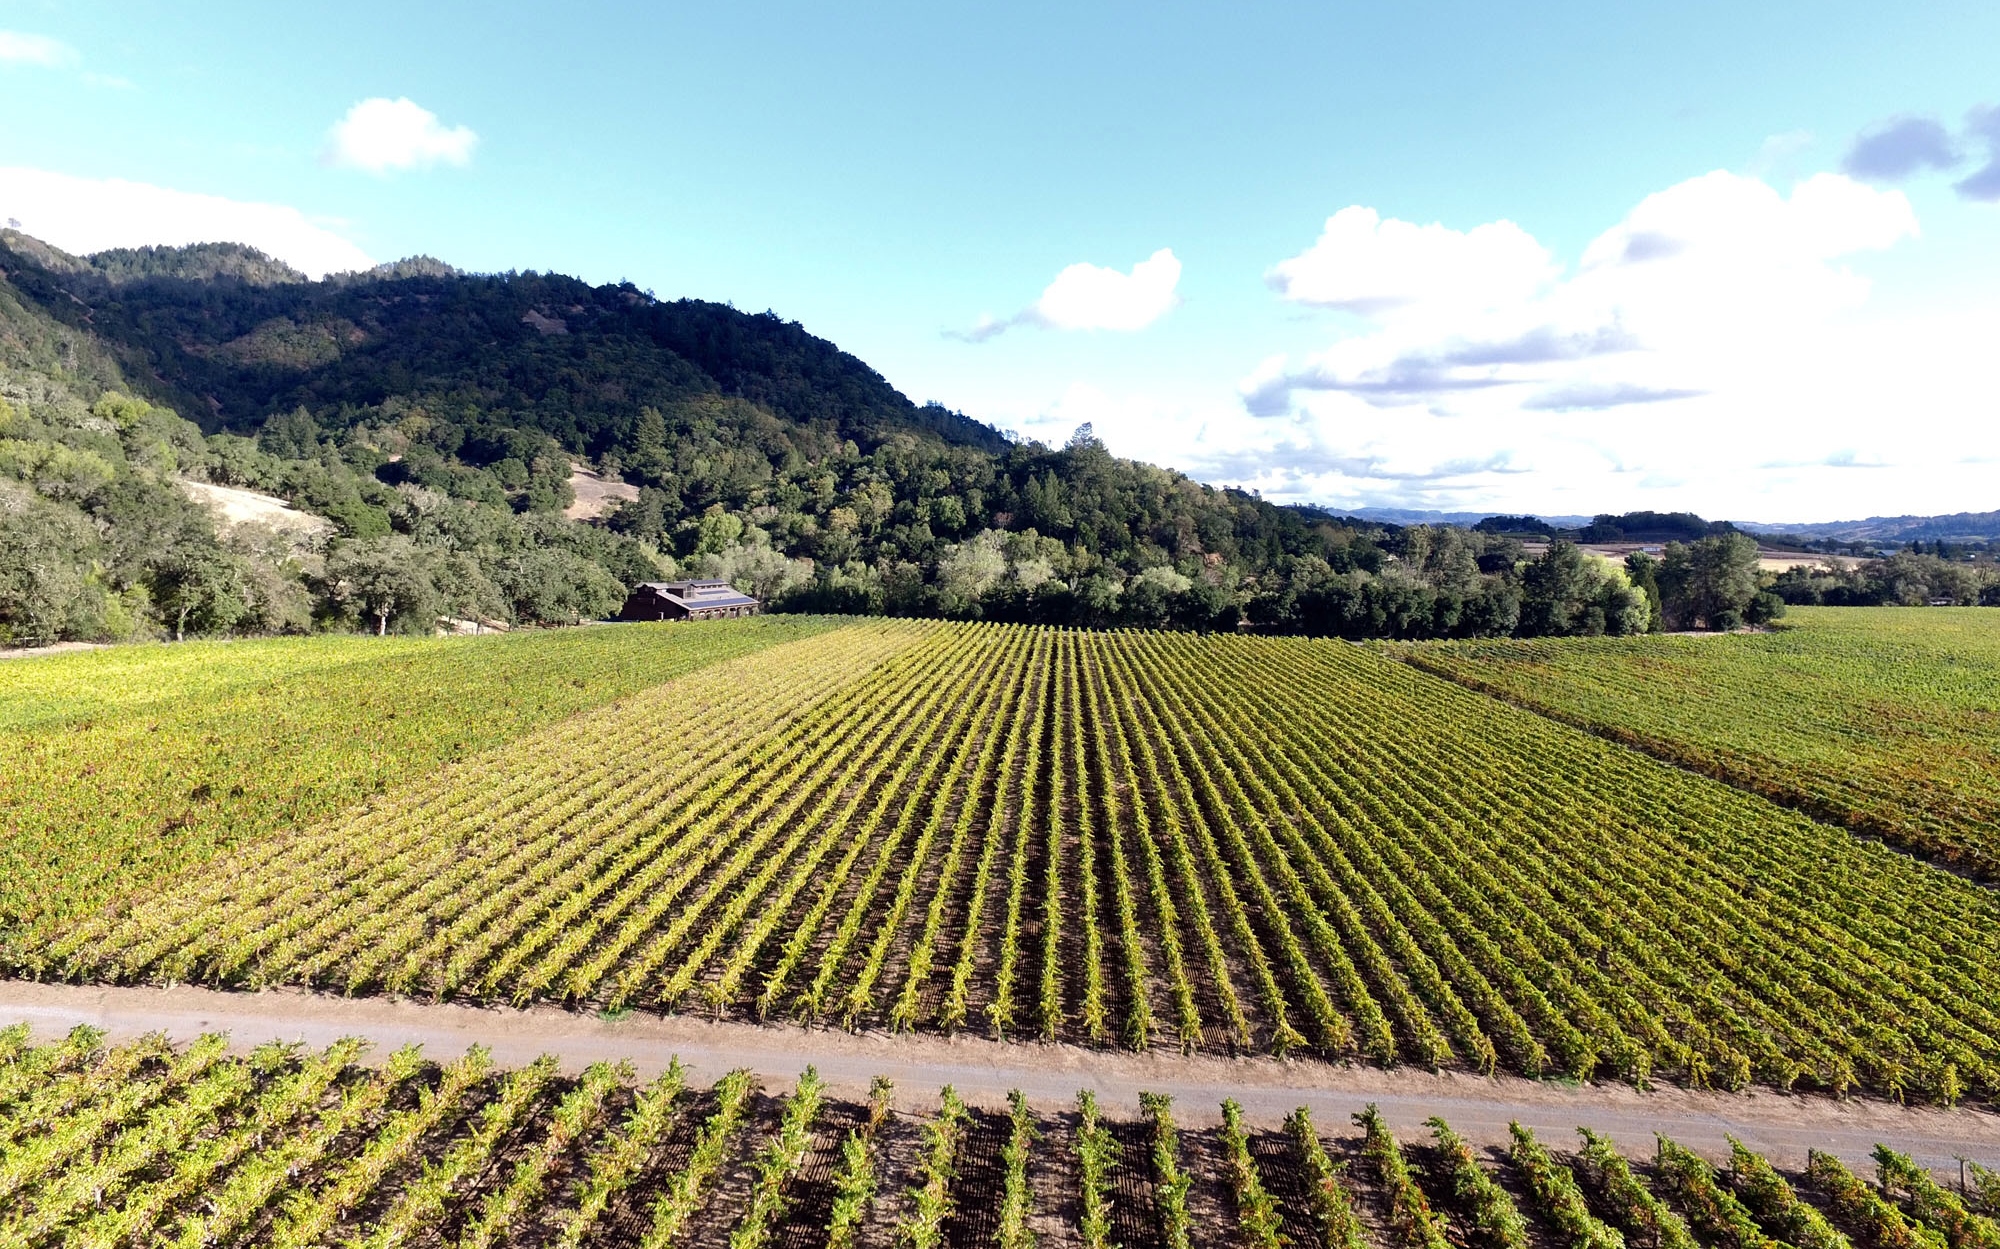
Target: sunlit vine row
[(1121, 839), (147, 1143)]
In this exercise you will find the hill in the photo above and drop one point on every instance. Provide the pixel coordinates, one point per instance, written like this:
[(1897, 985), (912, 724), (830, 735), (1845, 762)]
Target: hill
[(438, 419), (1877, 530), (1890, 530), (1419, 516), (229, 336)]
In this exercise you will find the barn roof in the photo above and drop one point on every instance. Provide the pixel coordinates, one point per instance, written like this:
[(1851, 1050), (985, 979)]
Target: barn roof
[(698, 595)]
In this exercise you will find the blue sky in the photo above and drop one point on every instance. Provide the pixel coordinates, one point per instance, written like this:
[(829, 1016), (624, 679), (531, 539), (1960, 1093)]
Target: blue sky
[(1784, 340)]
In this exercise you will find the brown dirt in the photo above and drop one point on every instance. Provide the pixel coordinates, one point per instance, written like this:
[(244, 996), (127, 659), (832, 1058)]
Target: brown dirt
[(1782, 1126), (237, 507), (595, 496)]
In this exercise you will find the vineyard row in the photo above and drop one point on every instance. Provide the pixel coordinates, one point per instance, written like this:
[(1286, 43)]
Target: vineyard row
[(1879, 720), (1120, 839), (144, 1144), (126, 767)]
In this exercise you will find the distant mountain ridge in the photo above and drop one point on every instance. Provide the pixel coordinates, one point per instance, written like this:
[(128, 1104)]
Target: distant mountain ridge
[(1409, 516), (1956, 527)]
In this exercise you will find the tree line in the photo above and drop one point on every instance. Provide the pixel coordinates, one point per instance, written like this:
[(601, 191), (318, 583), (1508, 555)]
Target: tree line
[(1907, 578)]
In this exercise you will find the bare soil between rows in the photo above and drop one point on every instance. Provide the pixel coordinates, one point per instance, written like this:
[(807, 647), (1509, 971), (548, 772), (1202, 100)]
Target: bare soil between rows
[(1781, 1126)]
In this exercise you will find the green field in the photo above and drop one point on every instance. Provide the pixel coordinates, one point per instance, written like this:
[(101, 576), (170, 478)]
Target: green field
[(1137, 839), (128, 766), (1886, 720), (147, 1144)]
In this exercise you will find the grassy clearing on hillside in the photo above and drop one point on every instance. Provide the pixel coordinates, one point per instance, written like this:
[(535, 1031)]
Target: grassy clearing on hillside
[(147, 1144), (126, 766), (1884, 719), (1220, 843)]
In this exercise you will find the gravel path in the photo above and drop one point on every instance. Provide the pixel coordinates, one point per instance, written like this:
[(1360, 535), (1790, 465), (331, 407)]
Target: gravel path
[(1782, 1127)]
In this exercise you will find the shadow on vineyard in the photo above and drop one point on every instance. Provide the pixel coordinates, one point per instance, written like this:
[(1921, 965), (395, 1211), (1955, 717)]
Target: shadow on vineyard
[(146, 1142)]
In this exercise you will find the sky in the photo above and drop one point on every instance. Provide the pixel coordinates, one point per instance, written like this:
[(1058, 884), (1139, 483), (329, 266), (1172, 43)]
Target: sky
[(1557, 258)]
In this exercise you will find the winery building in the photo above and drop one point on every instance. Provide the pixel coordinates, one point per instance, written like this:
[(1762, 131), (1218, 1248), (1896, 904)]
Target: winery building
[(686, 600)]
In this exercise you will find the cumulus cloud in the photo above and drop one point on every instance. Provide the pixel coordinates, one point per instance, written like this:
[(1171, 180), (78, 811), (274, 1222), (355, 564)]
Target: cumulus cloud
[(1898, 148), (83, 215), (1092, 297), (20, 48), (1715, 348), (1089, 297), (1459, 364), (1884, 407), (381, 135), (1364, 264), (1983, 125), (1701, 270), (1420, 463)]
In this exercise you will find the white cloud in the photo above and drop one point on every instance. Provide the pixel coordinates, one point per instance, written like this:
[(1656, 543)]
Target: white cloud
[(380, 135), (83, 215), (1364, 264), (20, 48), (1092, 297), (1089, 297), (1716, 349), (1697, 283)]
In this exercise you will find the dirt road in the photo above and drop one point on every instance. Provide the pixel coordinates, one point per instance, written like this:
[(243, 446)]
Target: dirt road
[(1783, 1127)]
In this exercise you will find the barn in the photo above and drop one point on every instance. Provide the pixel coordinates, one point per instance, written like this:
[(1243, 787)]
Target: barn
[(686, 600)]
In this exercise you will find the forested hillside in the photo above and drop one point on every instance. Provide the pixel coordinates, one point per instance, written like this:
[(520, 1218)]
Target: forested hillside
[(436, 418)]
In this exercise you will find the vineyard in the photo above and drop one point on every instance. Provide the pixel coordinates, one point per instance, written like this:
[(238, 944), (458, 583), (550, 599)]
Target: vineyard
[(128, 765), (1886, 721), (148, 1144), (1208, 843)]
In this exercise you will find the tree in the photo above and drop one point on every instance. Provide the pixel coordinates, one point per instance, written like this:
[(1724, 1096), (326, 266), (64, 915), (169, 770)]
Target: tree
[(716, 531), (650, 459), (1764, 608), (465, 592), (558, 587), (967, 570), (1153, 597), (548, 484), (275, 597), (1553, 592), (200, 587), (1708, 583), (386, 579), (1642, 570), (1044, 504), (290, 435), (755, 568), (1567, 592), (47, 592)]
